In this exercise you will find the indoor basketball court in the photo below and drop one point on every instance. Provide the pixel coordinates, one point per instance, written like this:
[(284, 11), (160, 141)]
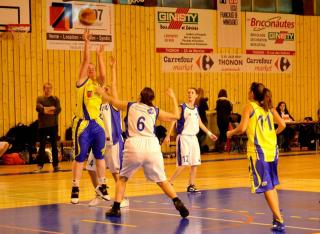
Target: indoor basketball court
[(42, 41), (39, 203)]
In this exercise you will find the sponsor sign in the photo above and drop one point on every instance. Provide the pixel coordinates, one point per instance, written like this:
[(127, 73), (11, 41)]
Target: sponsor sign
[(66, 22), (226, 63), (136, 2), (272, 34), (183, 30), (269, 63), (229, 23)]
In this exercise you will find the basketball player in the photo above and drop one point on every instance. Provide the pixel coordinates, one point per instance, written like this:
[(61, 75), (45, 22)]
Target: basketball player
[(257, 120), (114, 142), (188, 149), (88, 128), (142, 148)]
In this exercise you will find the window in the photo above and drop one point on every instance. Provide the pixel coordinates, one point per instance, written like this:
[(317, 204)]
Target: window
[(176, 3), (202, 4), (264, 5), (246, 5), (285, 6), (317, 7)]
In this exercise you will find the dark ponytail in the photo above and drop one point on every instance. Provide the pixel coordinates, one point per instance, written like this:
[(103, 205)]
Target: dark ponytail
[(262, 95)]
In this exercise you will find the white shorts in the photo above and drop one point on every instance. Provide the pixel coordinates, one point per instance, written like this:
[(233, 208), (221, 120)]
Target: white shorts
[(188, 151), (112, 156), (143, 152)]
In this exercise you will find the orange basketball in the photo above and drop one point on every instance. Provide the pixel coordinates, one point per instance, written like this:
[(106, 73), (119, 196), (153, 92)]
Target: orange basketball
[(87, 16)]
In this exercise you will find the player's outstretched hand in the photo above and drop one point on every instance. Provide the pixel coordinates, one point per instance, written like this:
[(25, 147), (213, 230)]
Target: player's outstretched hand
[(100, 90), (100, 50), (166, 140), (213, 137), (170, 93)]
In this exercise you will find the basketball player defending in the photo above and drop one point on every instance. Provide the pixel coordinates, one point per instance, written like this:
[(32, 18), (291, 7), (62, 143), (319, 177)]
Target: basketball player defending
[(114, 143), (88, 128), (188, 149), (142, 148)]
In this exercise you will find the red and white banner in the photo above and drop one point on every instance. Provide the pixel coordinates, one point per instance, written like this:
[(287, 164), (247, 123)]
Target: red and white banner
[(226, 63), (183, 30), (272, 34), (229, 23)]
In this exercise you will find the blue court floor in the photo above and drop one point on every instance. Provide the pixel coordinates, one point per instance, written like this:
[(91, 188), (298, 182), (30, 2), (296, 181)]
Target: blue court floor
[(222, 211)]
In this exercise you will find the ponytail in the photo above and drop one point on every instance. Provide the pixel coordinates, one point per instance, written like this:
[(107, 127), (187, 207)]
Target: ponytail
[(262, 95), (266, 104)]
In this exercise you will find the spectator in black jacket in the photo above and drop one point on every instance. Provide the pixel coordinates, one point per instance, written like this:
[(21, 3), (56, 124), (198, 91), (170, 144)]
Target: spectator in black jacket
[(48, 108), (224, 109), (202, 104)]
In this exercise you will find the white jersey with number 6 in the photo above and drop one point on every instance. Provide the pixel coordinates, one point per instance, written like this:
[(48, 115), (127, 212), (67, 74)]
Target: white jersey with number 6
[(141, 120), (142, 148)]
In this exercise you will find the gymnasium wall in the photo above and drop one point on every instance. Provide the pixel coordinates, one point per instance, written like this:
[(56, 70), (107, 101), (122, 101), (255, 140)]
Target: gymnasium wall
[(26, 65)]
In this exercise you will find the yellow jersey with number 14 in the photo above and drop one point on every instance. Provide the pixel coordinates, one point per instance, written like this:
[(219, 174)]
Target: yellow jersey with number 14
[(262, 138), (88, 101)]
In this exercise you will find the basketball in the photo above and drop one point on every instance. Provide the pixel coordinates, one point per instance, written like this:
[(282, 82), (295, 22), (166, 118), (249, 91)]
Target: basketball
[(87, 16)]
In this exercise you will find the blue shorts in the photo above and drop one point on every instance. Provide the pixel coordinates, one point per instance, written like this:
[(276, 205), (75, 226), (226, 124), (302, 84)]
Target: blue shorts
[(263, 175), (89, 134)]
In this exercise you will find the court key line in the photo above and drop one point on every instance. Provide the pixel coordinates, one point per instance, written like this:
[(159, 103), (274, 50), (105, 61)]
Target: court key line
[(28, 229), (224, 220), (104, 222), (213, 219)]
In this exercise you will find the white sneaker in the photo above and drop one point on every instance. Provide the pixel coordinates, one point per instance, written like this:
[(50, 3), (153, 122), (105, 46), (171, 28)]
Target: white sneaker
[(102, 191), (95, 201), (124, 203), (74, 200), (75, 195)]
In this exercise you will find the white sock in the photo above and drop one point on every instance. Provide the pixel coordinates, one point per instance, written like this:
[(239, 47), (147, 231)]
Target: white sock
[(75, 183), (102, 180)]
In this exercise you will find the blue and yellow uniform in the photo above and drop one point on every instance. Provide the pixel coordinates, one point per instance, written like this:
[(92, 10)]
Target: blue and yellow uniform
[(88, 128), (262, 150)]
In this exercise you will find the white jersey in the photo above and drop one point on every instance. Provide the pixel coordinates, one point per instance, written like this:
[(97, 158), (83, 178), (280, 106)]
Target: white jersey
[(141, 120), (112, 122), (188, 124)]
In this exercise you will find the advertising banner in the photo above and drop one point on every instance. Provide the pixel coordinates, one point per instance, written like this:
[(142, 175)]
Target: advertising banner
[(229, 23), (226, 63), (270, 33), (67, 21), (183, 30)]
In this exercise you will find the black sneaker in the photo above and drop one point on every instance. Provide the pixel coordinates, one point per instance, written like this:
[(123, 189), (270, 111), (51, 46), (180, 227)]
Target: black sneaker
[(102, 191), (56, 169), (113, 212), (192, 189), (181, 208), (278, 226), (75, 195), (39, 169)]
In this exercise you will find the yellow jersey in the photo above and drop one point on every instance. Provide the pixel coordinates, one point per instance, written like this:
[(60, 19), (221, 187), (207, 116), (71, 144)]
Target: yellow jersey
[(88, 101), (262, 138)]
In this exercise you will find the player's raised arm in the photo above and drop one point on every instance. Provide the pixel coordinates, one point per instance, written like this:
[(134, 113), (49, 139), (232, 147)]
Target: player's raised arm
[(86, 58), (114, 77), (120, 105), (175, 114), (102, 67)]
